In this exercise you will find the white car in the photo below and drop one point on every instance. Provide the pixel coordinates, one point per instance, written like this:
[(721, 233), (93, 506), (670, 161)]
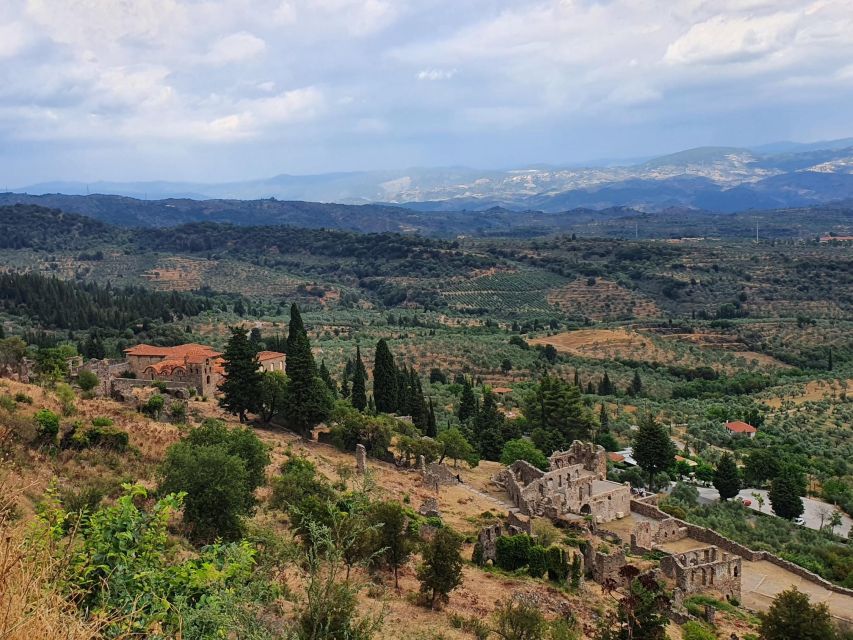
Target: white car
[(800, 520)]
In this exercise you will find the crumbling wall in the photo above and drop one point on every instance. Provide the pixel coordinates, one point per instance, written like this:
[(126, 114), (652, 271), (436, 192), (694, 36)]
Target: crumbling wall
[(603, 565), (488, 539), (591, 456), (709, 569)]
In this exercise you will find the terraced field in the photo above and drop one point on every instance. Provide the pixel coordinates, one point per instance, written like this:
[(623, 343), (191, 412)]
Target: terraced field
[(508, 293), (600, 299)]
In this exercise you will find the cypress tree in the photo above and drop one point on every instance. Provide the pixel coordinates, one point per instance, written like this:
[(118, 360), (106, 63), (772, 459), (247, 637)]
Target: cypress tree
[(605, 387), (653, 448), (326, 377), (785, 498), (577, 379), (432, 427), (487, 428), (402, 403), (417, 404), (359, 394), (726, 478), (636, 387), (309, 400), (467, 404), (242, 384), (603, 418), (384, 379)]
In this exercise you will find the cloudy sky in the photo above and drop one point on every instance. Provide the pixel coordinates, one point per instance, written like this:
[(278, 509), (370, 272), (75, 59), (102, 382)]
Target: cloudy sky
[(234, 89)]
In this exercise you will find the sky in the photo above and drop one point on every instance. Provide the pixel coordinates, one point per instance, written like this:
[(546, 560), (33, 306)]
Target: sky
[(237, 89)]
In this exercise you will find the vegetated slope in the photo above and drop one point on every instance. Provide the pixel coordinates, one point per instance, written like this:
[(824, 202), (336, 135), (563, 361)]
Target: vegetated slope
[(599, 217), (64, 304), (36, 227)]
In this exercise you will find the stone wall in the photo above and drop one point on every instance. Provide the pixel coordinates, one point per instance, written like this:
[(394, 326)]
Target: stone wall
[(602, 566), (438, 474), (591, 456), (488, 539), (713, 538), (705, 570)]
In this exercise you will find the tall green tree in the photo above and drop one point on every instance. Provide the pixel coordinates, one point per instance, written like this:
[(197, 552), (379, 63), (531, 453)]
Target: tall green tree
[(726, 478), (605, 386), (653, 448), (308, 399), (456, 447), (326, 377), (636, 387), (272, 398), (487, 427), (556, 411), (242, 384), (358, 396), (785, 497), (467, 404), (384, 379), (441, 569), (432, 427), (396, 545), (792, 617), (417, 407)]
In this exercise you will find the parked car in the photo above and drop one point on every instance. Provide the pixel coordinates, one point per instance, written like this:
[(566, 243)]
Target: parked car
[(800, 520)]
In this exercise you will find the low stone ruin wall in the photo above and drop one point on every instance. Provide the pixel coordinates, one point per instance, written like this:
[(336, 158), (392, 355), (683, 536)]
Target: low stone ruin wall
[(710, 537)]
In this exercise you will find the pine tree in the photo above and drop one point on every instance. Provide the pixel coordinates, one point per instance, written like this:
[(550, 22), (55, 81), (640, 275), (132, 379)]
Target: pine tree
[(467, 404), (653, 448), (603, 418), (308, 400), (326, 377), (384, 379), (726, 478), (359, 393), (556, 408), (605, 387), (432, 427), (241, 387), (792, 617), (785, 498), (487, 428), (636, 387)]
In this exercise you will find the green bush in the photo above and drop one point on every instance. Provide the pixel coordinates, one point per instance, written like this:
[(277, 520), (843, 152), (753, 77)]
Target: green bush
[(537, 563), (512, 552), (47, 426), (23, 398), (477, 555), (693, 630), (102, 422), (87, 380), (108, 438)]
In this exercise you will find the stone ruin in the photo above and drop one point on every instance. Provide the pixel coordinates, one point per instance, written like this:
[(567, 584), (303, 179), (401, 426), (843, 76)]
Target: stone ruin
[(360, 459), (437, 475), (488, 539), (575, 483), (429, 508), (647, 535), (603, 565), (705, 570)]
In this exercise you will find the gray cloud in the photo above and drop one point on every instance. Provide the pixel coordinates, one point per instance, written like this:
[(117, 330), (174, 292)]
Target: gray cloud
[(239, 88)]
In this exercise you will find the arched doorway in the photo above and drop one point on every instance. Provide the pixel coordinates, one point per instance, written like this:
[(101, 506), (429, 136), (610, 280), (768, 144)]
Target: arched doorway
[(586, 510)]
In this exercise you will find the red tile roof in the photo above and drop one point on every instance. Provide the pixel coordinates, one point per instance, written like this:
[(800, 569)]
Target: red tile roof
[(197, 352), (263, 356), (615, 457), (740, 427)]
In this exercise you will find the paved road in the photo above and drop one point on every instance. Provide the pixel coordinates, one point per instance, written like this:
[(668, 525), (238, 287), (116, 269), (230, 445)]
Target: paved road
[(811, 514)]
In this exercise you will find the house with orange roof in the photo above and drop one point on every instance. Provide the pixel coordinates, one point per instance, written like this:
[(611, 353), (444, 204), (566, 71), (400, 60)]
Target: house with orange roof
[(738, 428), (195, 365)]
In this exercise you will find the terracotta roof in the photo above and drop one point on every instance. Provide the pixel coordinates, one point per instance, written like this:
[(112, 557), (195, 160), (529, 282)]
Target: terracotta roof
[(166, 366), (198, 352), (615, 457), (263, 356), (687, 461), (740, 427)]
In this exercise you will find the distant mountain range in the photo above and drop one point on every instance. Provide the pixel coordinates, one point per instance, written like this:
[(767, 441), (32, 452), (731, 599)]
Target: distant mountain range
[(721, 179)]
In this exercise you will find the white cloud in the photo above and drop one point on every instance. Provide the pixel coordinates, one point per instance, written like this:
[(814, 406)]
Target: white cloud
[(724, 39), (436, 74), (235, 47), (14, 38)]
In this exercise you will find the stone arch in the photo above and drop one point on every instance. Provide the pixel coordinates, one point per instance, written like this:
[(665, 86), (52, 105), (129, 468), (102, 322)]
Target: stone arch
[(586, 510)]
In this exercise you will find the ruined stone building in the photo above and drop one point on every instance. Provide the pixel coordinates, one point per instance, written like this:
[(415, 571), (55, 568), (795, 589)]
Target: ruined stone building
[(271, 361), (709, 569), (575, 483)]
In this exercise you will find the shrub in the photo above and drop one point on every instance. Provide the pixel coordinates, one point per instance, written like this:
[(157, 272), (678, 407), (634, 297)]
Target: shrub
[(108, 438), (8, 403), (512, 552), (519, 621), (537, 563), (23, 398), (154, 406), (558, 565), (441, 570), (477, 555), (65, 394), (87, 380), (522, 449), (693, 630), (102, 422), (47, 426)]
